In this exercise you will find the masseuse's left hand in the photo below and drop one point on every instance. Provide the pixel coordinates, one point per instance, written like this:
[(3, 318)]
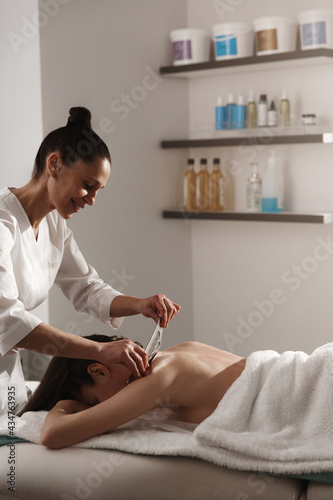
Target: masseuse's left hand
[(159, 306)]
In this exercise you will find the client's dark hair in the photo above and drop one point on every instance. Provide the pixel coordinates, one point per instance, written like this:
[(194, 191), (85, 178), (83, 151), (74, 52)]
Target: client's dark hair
[(75, 141), (63, 379)]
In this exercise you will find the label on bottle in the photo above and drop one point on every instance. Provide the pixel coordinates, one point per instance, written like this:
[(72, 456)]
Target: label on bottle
[(270, 205), (221, 193), (314, 34), (182, 50), (262, 114), (226, 45), (267, 40)]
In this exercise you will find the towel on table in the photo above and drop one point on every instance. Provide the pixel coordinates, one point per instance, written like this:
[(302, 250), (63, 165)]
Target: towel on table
[(276, 418)]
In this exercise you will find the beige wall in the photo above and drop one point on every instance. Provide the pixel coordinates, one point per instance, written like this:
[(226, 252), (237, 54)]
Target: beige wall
[(96, 54), (265, 285)]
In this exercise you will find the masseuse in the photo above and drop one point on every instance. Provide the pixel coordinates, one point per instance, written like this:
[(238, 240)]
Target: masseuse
[(37, 249)]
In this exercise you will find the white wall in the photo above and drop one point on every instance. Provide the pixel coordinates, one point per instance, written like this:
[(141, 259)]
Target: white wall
[(21, 108), (238, 265), (92, 54)]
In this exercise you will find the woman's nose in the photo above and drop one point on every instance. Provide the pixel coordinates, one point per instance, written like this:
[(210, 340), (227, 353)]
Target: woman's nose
[(90, 199)]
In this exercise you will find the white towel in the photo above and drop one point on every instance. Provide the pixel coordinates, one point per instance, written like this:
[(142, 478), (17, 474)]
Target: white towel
[(277, 417)]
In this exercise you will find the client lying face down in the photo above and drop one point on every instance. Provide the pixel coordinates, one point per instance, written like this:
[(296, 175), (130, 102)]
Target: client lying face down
[(86, 399)]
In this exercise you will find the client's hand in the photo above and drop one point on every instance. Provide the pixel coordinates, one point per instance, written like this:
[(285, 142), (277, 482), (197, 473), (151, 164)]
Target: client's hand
[(125, 352), (159, 306)]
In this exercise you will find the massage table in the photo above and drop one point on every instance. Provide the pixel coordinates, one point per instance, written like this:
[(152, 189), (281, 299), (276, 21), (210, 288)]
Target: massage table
[(73, 473), (77, 473)]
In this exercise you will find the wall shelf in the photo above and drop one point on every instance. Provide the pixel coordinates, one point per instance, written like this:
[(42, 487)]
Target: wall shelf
[(318, 218), (275, 61), (326, 138), (255, 136)]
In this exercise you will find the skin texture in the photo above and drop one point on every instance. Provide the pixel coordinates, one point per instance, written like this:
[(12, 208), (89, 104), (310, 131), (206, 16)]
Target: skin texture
[(69, 190), (191, 377)]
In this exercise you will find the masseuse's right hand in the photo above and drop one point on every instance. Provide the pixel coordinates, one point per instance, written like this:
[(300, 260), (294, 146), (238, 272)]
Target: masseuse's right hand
[(127, 353)]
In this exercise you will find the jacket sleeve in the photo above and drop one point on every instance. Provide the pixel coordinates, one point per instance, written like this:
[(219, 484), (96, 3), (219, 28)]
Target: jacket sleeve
[(81, 284), (15, 321)]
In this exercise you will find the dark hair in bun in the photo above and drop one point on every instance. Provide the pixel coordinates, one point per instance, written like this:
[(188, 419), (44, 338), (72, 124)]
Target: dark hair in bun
[(74, 142), (79, 117)]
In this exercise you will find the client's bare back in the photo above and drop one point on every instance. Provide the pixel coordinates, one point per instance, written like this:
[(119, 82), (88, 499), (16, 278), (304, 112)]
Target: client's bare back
[(205, 373)]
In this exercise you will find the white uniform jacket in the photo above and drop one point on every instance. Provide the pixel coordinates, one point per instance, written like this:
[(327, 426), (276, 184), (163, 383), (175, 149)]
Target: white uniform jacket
[(28, 269)]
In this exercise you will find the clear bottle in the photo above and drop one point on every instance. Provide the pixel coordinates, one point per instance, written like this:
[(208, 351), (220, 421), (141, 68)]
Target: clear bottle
[(262, 111), (272, 115), (285, 109), (190, 186), (251, 112), (202, 187), (272, 186), (254, 188), (216, 187)]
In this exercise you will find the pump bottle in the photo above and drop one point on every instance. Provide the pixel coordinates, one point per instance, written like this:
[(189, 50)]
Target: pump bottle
[(272, 186), (216, 187), (190, 186)]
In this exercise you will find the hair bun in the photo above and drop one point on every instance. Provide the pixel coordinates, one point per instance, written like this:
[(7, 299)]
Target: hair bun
[(79, 117)]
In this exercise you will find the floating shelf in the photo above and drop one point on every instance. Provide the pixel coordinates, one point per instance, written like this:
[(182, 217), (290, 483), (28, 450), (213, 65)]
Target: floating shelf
[(318, 218), (285, 59), (326, 138)]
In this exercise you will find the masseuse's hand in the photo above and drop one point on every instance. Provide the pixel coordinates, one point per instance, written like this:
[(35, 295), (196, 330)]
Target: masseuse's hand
[(125, 352), (159, 306)]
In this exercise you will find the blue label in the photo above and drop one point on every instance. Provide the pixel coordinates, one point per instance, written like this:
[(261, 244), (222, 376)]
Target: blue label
[(270, 205), (239, 117), (219, 118), (226, 46), (182, 50), (314, 33)]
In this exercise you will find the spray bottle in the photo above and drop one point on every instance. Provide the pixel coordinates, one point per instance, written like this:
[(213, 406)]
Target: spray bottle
[(254, 187)]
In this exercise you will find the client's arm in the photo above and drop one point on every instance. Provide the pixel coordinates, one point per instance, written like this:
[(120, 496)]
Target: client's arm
[(66, 424)]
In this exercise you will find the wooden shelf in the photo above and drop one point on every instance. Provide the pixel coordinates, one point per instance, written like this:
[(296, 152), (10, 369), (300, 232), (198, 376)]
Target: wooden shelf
[(318, 218), (325, 138), (284, 59)]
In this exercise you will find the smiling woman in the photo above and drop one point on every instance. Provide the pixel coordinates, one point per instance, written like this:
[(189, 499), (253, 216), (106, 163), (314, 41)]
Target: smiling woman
[(37, 249)]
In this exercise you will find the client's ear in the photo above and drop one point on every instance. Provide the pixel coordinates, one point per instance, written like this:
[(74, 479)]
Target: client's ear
[(97, 370)]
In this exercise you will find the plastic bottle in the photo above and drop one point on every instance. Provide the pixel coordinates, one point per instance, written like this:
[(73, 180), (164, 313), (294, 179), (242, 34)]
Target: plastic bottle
[(190, 186), (272, 186), (219, 114), (254, 190), (229, 112), (216, 186), (272, 115), (251, 112), (262, 111), (239, 117), (285, 109), (202, 187)]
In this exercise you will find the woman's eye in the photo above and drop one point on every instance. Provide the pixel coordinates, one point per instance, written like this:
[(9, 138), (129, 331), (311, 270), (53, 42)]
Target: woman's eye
[(87, 186)]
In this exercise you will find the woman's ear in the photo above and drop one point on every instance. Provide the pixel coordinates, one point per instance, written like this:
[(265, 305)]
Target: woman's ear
[(97, 370), (53, 164)]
